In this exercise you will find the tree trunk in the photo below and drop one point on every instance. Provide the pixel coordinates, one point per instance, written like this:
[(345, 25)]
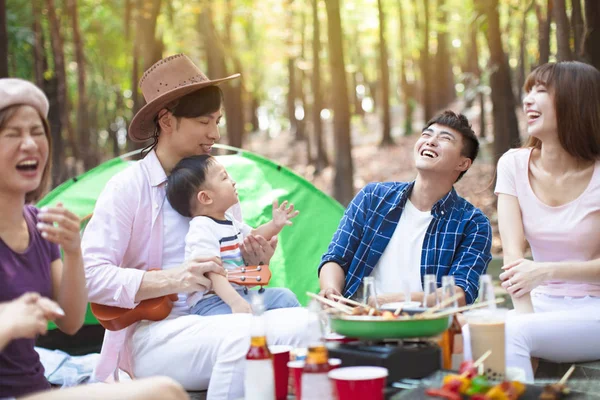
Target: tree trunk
[(322, 160), (127, 17), (522, 57), (39, 56), (578, 27), (301, 124), (3, 41), (506, 128), (291, 96), (386, 137), (544, 31), (562, 31), (343, 187), (233, 91), (443, 66), (144, 52), (59, 67), (82, 111), (407, 90), (591, 43), (425, 66)]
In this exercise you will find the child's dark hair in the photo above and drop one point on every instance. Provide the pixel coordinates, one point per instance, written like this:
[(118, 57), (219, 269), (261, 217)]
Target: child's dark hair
[(461, 124), (185, 180)]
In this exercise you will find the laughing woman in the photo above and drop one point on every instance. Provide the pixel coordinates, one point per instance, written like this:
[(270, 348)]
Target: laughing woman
[(30, 238), (549, 196)]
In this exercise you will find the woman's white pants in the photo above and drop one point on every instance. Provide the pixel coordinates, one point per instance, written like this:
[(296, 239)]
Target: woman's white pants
[(562, 330)]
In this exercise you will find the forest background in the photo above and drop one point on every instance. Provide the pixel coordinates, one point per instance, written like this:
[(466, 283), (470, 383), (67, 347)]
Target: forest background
[(336, 90)]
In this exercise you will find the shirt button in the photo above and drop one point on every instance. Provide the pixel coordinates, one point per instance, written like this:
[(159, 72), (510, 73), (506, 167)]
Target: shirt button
[(442, 212), (155, 205)]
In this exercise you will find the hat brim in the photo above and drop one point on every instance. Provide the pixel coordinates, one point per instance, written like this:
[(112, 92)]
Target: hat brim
[(142, 125)]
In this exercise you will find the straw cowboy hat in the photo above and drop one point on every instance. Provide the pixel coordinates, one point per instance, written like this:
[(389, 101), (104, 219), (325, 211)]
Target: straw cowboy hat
[(169, 79)]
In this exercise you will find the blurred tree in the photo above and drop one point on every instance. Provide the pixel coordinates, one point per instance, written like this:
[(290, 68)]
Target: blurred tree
[(426, 65), (234, 90), (544, 22), (522, 68), (578, 27), (562, 31), (444, 77), (406, 88), (343, 187), (591, 43), (322, 160), (83, 129), (3, 41), (384, 80), (506, 127), (59, 69)]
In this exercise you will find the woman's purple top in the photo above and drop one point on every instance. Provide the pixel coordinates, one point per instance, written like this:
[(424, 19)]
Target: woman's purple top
[(21, 371)]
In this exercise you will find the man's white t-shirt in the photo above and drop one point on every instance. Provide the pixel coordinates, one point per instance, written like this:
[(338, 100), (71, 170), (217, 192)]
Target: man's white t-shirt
[(400, 263)]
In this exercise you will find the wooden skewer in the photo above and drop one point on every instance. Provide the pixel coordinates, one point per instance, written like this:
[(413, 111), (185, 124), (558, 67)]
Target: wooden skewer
[(398, 310), (477, 363), (440, 305), (466, 308), (331, 303), (567, 375), (350, 301)]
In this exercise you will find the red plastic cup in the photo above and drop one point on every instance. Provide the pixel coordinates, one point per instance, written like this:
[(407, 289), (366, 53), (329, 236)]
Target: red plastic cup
[(295, 377), (365, 383), (296, 368), (281, 357)]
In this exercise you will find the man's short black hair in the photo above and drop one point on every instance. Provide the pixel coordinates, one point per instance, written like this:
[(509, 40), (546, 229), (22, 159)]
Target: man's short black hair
[(185, 181), (461, 124)]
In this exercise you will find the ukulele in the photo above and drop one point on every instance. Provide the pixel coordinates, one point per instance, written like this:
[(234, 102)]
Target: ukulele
[(117, 318)]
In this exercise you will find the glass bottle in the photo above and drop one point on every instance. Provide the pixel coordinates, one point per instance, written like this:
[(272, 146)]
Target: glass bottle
[(259, 380), (315, 382)]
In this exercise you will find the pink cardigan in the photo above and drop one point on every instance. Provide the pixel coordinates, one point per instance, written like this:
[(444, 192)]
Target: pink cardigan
[(122, 240)]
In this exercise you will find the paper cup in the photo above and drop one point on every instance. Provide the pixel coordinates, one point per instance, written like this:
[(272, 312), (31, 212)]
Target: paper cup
[(281, 357), (365, 383)]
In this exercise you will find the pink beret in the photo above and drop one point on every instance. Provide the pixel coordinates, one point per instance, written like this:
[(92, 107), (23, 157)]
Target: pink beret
[(15, 91)]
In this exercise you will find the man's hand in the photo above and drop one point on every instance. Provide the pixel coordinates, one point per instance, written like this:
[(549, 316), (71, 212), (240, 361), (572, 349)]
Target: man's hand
[(192, 274), (329, 293), (257, 250), (28, 315), (386, 298)]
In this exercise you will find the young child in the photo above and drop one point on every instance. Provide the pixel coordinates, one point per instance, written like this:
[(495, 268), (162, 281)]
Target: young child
[(199, 187)]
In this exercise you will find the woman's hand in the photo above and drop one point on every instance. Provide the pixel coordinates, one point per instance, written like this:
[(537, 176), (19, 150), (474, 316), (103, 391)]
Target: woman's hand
[(28, 315), (282, 214), (60, 226), (192, 274), (522, 276), (257, 250)]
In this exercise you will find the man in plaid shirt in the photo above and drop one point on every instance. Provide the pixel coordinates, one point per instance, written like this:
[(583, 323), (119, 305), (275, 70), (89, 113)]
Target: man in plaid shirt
[(398, 232)]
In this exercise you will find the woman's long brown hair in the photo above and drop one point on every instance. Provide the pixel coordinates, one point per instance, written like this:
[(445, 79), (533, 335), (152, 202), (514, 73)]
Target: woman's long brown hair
[(576, 90)]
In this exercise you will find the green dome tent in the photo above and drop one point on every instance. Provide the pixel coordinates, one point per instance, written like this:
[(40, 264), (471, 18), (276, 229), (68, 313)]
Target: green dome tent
[(259, 181)]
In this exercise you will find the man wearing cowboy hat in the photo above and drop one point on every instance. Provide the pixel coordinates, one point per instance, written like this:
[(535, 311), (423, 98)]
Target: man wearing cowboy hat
[(134, 230)]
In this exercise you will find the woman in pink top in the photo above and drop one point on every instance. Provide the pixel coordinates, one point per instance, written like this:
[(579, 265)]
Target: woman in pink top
[(135, 229), (549, 196)]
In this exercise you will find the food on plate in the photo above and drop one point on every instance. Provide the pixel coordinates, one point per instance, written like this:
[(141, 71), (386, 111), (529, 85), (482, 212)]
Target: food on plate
[(554, 391), (476, 387)]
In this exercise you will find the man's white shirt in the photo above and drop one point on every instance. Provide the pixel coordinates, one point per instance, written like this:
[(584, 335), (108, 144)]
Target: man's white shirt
[(400, 263)]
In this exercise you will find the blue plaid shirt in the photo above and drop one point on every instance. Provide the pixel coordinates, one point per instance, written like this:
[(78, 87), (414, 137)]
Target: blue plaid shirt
[(457, 242)]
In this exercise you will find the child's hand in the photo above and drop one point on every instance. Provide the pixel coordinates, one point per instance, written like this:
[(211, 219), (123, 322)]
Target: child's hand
[(241, 306), (283, 214)]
